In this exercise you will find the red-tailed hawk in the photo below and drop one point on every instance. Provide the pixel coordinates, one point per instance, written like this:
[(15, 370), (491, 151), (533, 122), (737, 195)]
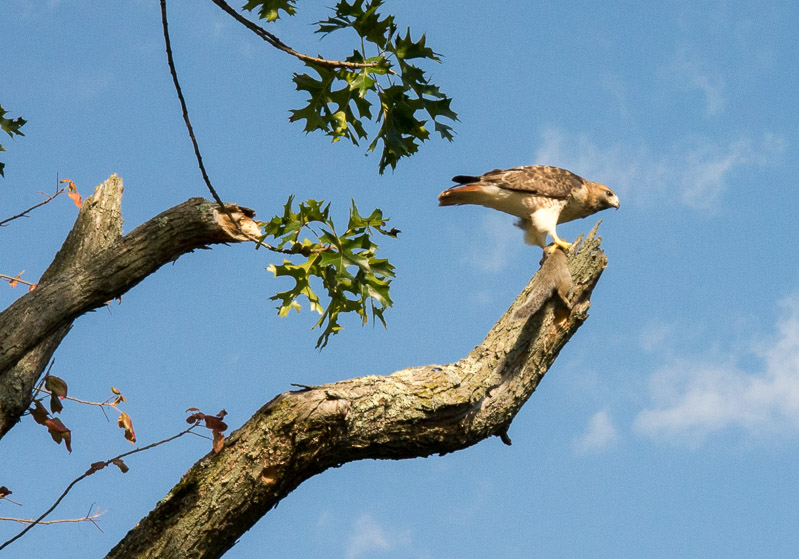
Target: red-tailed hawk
[(541, 196)]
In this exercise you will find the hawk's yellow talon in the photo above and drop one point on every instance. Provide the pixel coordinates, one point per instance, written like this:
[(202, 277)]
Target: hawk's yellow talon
[(559, 243)]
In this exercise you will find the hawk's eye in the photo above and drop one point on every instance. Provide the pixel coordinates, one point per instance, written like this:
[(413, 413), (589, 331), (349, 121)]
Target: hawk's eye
[(608, 193)]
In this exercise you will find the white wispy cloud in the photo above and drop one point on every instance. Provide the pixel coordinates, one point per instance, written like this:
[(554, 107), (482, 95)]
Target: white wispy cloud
[(687, 71), (654, 335), (698, 169), (599, 434), (693, 399), (368, 537)]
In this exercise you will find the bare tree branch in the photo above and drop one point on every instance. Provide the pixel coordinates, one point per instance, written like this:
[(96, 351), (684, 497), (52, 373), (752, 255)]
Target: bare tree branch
[(432, 409), (280, 45), (95, 265)]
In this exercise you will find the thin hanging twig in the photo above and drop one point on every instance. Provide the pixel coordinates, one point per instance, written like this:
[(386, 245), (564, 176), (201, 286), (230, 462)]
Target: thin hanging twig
[(185, 109)]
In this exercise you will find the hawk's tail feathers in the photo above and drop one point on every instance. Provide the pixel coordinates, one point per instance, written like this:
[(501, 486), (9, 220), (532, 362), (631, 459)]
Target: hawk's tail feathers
[(465, 179), (458, 195)]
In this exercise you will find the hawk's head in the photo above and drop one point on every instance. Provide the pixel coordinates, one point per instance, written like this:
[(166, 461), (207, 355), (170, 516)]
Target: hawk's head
[(600, 197)]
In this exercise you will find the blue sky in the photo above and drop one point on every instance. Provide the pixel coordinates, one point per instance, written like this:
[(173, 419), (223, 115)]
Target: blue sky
[(669, 425)]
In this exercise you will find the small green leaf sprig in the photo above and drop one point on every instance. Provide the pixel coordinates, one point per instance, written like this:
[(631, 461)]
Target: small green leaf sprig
[(341, 99), (352, 275), (11, 127)]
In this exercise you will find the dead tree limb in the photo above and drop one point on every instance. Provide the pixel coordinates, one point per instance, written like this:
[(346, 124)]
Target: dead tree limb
[(415, 412), (95, 265)]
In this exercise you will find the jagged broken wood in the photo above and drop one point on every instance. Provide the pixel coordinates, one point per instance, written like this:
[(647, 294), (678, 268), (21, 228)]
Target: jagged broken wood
[(415, 412), (97, 264)]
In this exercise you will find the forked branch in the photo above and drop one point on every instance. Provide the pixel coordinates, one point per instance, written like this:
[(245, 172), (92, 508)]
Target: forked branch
[(97, 264)]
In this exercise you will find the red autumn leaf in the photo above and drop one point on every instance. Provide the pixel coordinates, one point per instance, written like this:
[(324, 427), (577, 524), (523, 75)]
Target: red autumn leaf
[(32, 286), (4, 492), (72, 192), (219, 440), (125, 423), (59, 432), (76, 198), (54, 425), (214, 423), (15, 280), (120, 464), (95, 467), (195, 417), (39, 412)]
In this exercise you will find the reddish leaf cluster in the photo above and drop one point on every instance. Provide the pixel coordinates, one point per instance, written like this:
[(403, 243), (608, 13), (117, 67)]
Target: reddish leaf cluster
[(58, 431), (57, 388), (212, 422), (97, 466), (125, 423), (72, 192)]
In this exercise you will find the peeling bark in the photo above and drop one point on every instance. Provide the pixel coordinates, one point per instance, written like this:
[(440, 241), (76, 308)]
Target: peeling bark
[(432, 409), (95, 265)]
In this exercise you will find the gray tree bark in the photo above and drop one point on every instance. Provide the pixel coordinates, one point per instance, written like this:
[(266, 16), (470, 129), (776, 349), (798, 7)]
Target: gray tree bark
[(95, 265), (432, 409)]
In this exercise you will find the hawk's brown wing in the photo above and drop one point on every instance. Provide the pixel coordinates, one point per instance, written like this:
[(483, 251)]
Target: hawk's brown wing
[(543, 180)]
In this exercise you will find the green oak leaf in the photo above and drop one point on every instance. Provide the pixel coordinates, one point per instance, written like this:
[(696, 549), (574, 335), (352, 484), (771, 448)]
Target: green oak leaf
[(352, 277), (270, 9), (390, 103), (10, 126)]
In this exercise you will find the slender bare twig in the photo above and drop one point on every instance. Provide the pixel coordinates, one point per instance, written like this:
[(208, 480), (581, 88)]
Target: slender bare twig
[(107, 403), (184, 108), (88, 518), (102, 405), (173, 71), (96, 467), (17, 279), (49, 198), (280, 45)]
